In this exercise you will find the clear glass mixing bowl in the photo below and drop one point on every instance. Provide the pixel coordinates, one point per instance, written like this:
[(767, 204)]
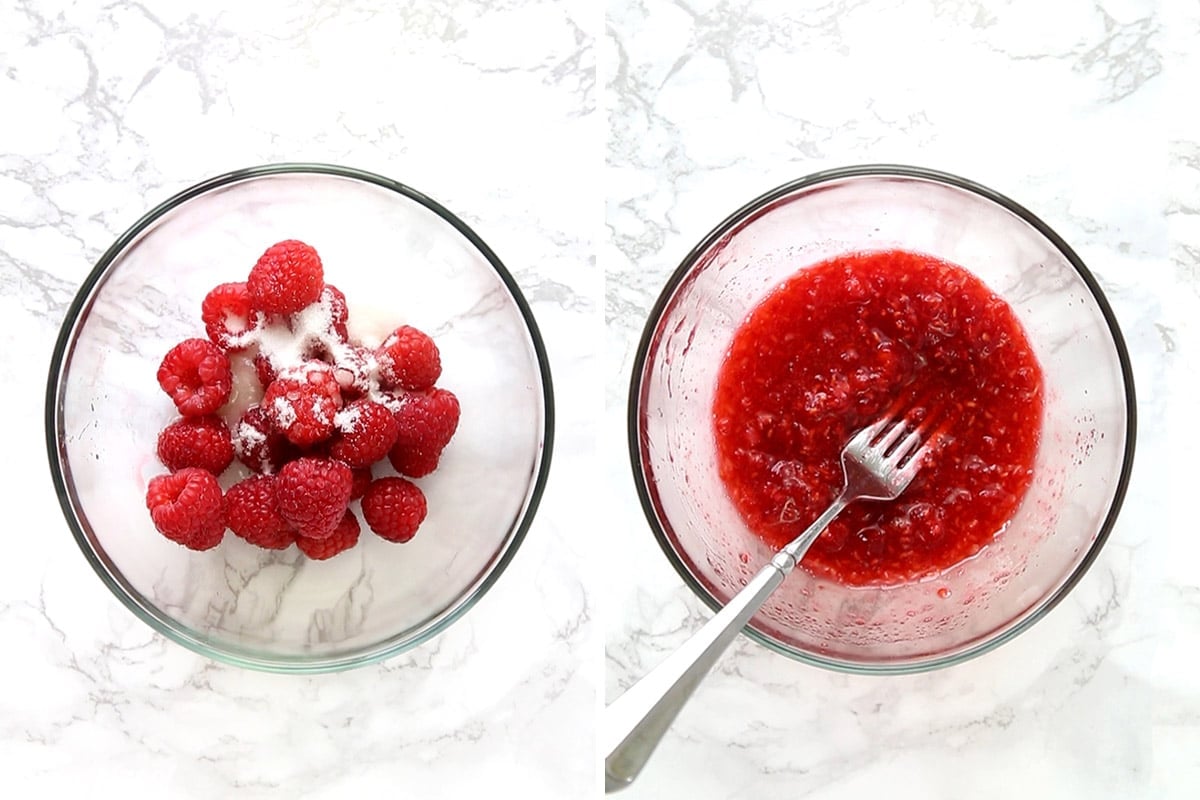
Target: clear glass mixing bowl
[(1087, 438), (400, 258)]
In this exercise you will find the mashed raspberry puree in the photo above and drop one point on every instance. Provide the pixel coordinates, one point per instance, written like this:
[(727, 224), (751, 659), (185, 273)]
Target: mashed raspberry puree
[(828, 352)]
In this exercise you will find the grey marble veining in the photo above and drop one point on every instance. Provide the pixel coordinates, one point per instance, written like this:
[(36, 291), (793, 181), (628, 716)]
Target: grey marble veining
[(591, 148), (1076, 111), (488, 107)]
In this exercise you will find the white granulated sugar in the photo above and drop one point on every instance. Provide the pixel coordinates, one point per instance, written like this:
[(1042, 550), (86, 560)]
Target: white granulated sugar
[(236, 324), (283, 348), (285, 413), (321, 411), (286, 345), (373, 389), (392, 402), (284, 342), (347, 419), (250, 335), (298, 372), (247, 438)]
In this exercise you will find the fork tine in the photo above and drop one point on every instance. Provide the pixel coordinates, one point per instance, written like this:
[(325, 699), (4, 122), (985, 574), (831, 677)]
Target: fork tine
[(921, 442), (864, 437), (892, 435), (909, 442)]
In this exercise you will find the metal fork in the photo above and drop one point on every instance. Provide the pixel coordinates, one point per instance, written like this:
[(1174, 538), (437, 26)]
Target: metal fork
[(878, 464)]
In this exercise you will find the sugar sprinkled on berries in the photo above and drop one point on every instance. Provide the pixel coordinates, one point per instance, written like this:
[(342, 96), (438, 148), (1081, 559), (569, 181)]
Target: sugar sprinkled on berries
[(330, 410)]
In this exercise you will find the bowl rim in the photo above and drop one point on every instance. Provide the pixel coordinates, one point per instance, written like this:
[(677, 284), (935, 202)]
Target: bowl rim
[(211, 647), (749, 210)]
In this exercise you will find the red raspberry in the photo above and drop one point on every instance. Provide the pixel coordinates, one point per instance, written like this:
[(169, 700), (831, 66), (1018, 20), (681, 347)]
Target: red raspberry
[(409, 359), (366, 432), (258, 445), (394, 508), (354, 370), (226, 313), (362, 479), (313, 494), (286, 278), (302, 403), (338, 310), (344, 536), (252, 512), (427, 423), (196, 374), (263, 369), (186, 507), (202, 442)]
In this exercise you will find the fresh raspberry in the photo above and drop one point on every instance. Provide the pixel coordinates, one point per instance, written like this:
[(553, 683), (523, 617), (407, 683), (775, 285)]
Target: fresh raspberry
[(187, 508), (339, 312), (263, 369), (354, 371), (344, 536), (202, 442), (366, 432), (362, 479), (302, 403), (409, 359), (394, 508), (196, 374), (252, 512), (286, 278), (426, 424), (226, 313), (313, 494), (258, 445)]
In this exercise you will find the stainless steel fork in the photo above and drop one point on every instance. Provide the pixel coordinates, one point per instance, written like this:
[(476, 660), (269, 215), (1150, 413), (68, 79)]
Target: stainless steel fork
[(879, 463)]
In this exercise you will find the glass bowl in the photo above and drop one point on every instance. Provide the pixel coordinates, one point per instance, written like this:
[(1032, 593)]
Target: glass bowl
[(1082, 465), (400, 258)]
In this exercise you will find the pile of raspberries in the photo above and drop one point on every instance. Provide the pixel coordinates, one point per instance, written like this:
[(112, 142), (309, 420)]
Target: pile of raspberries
[(330, 411)]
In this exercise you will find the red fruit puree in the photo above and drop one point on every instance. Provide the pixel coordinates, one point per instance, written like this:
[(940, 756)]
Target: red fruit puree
[(827, 353)]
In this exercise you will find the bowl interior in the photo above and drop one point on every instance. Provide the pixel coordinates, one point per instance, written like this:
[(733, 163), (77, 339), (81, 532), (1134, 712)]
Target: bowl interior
[(400, 259), (1082, 461)]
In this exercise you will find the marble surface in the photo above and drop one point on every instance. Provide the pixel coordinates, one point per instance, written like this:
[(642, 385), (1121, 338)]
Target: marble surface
[(111, 107), (1078, 110)]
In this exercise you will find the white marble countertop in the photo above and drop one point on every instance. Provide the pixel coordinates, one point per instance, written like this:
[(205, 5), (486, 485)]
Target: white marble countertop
[(110, 108), (1075, 110), (1079, 110)]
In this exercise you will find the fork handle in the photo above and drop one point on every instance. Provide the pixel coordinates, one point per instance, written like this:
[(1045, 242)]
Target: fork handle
[(635, 722)]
